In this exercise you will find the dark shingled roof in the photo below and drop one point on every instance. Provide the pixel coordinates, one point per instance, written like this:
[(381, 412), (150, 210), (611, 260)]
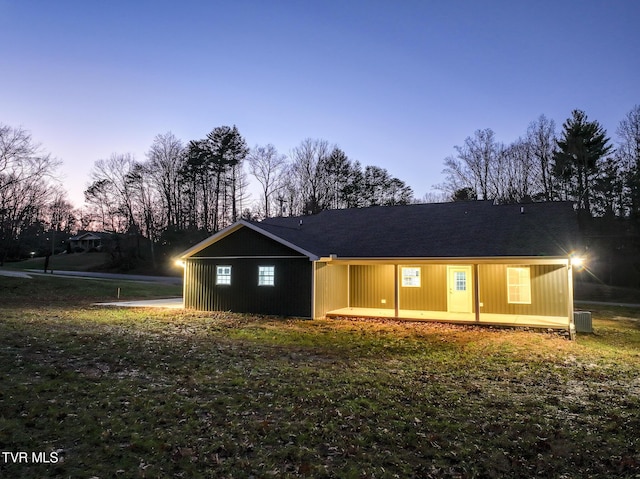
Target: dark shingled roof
[(459, 229)]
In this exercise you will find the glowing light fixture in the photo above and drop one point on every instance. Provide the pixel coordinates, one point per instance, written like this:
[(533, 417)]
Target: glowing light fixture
[(577, 261), (180, 263)]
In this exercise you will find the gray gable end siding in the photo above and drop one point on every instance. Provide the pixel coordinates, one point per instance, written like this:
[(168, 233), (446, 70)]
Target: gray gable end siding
[(246, 242), (245, 250)]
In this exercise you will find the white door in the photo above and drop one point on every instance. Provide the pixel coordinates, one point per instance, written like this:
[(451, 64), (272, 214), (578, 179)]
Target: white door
[(460, 295)]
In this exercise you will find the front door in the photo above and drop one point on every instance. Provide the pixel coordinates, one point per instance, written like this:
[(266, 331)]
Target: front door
[(459, 282)]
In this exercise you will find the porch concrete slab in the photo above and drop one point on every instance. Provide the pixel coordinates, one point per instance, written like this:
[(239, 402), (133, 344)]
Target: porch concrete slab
[(556, 322), (363, 312), (166, 303)]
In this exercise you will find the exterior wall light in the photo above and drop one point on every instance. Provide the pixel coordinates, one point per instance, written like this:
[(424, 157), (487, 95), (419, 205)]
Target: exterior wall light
[(577, 261)]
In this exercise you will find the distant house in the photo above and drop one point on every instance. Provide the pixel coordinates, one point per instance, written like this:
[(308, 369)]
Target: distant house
[(92, 240), (467, 262)]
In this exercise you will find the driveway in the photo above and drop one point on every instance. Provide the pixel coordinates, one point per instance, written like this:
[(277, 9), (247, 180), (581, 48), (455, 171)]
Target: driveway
[(14, 274), (167, 303)]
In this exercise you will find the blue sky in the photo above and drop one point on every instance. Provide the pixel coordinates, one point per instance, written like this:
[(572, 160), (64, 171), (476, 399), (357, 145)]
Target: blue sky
[(395, 84)]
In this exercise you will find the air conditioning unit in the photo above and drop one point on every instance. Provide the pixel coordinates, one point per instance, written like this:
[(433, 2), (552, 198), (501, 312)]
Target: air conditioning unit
[(582, 320)]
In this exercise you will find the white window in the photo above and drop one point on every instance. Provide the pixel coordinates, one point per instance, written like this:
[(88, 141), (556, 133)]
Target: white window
[(519, 285), (223, 274), (266, 275), (411, 277), (461, 280)]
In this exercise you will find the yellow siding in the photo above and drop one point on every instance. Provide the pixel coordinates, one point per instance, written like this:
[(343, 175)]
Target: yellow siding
[(432, 293), (372, 286), (549, 293), (331, 288)]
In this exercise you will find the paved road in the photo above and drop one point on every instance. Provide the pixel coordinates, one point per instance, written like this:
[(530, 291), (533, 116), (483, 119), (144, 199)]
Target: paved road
[(126, 277)]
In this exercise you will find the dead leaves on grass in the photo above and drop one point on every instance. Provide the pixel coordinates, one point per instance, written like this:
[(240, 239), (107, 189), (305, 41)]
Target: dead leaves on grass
[(191, 392)]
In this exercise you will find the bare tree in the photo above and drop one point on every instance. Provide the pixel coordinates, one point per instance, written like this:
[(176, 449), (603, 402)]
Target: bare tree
[(112, 190), (514, 178), (308, 159), (21, 159), (237, 193), (474, 166), (289, 200), (101, 208), (267, 166), (457, 177), (433, 197), (628, 154), (148, 205), (165, 159), (541, 137), (60, 214), (26, 175), (629, 134)]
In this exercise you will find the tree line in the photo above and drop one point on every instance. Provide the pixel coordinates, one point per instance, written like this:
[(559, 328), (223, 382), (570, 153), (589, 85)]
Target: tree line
[(32, 202), (201, 186), (579, 164)]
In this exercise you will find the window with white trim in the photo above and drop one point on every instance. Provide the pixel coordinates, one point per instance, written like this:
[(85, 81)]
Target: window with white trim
[(223, 274), (519, 285), (410, 277), (460, 283), (266, 275)]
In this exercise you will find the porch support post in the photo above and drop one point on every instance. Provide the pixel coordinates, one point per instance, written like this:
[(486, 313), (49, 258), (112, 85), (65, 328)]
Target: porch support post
[(572, 326), (348, 286), (313, 291), (396, 299), (476, 291)]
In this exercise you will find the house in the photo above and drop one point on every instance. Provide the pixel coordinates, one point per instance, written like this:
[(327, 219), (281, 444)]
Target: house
[(92, 240), (468, 262)]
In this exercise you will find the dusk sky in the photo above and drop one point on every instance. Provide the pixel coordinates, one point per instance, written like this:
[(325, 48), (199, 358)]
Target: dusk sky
[(395, 84)]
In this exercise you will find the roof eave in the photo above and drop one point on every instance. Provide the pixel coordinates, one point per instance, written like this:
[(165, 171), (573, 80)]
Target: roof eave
[(334, 259)]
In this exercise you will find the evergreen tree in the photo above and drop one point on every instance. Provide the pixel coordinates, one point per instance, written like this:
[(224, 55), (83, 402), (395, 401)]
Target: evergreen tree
[(609, 190), (212, 175), (577, 159)]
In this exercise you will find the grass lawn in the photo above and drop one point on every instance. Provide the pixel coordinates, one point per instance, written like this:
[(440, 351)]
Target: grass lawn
[(65, 262), (150, 393), (101, 262)]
